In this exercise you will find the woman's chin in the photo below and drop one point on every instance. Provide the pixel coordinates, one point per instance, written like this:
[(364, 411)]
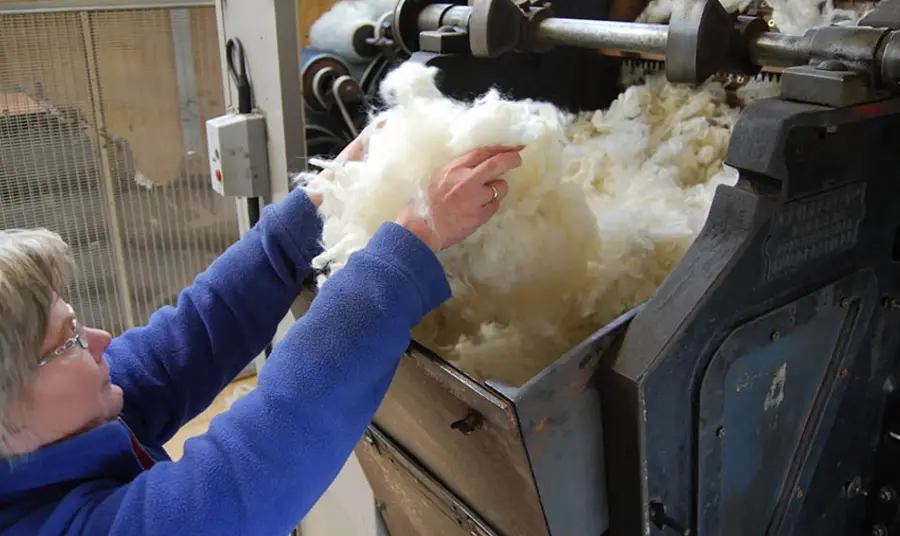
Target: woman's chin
[(116, 399)]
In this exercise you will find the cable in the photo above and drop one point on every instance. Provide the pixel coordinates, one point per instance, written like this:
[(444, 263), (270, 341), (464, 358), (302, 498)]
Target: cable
[(237, 68), (238, 71), (253, 210)]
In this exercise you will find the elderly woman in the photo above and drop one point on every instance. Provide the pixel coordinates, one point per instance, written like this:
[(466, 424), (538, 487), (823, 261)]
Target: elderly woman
[(85, 416)]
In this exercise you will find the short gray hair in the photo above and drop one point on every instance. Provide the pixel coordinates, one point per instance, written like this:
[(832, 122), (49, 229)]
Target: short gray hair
[(35, 267)]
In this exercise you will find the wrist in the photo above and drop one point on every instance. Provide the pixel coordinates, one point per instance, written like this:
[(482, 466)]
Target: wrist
[(314, 197), (420, 228)]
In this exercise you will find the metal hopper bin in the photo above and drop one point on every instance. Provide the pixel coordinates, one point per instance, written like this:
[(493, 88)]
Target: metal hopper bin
[(448, 455)]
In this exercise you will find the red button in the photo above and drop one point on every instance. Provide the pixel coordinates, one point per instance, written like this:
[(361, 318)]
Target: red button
[(219, 175)]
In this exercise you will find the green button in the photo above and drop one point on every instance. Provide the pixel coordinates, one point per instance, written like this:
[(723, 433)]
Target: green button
[(217, 154)]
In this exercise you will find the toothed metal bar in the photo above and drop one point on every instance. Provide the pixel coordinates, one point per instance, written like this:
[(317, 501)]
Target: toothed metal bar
[(658, 67)]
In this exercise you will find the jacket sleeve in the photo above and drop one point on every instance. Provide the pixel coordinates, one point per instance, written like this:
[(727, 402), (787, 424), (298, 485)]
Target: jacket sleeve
[(172, 368), (263, 464)]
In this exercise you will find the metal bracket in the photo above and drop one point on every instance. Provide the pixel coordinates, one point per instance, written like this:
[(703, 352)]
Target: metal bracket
[(698, 41), (496, 26), (831, 83)]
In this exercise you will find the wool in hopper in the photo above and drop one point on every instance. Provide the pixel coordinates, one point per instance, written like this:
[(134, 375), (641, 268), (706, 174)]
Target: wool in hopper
[(602, 208), (539, 278)]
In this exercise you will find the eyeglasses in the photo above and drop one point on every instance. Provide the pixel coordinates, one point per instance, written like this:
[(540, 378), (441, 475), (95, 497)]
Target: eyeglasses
[(77, 339)]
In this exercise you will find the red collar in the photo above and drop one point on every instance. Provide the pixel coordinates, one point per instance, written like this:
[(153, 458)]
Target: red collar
[(139, 451)]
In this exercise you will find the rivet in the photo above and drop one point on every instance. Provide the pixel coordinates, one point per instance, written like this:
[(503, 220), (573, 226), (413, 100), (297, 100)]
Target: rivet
[(775, 335)]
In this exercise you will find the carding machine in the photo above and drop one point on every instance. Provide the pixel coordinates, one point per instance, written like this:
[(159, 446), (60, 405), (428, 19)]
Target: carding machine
[(756, 394)]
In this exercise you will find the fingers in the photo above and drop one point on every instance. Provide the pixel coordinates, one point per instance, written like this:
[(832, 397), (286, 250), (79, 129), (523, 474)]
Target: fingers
[(356, 149), (496, 166), (367, 132), (478, 156), (487, 192)]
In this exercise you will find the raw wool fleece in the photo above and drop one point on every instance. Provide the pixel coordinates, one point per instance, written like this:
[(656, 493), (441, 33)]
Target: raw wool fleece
[(602, 208), (791, 16), (333, 31)]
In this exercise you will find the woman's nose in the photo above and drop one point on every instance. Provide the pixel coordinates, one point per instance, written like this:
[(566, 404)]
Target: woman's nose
[(97, 341)]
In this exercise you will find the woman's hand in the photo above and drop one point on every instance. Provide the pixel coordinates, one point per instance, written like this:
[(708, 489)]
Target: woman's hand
[(462, 196), (355, 151)]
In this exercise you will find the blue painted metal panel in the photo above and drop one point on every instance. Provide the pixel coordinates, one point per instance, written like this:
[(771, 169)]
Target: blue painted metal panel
[(757, 397)]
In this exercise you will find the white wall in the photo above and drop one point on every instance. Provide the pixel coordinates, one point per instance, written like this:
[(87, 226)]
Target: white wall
[(346, 509)]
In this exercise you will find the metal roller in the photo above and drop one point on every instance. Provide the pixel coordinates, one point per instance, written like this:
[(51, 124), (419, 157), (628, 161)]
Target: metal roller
[(602, 35), (702, 39), (333, 98)]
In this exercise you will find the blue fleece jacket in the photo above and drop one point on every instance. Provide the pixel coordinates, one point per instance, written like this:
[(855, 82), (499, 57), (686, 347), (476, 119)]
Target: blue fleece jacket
[(264, 463)]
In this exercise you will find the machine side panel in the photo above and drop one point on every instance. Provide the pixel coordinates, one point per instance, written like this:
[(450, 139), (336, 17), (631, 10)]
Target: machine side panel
[(762, 400), (410, 501), (734, 212), (467, 437), (801, 229), (562, 424), (840, 443)]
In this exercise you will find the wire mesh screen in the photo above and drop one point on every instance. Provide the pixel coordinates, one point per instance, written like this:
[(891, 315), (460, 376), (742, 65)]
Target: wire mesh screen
[(102, 139)]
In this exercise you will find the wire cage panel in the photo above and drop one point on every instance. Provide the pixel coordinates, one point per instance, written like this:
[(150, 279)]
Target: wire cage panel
[(102, 140)]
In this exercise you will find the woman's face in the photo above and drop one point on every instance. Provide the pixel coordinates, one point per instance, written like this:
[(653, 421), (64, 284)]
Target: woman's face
[(71, 392)]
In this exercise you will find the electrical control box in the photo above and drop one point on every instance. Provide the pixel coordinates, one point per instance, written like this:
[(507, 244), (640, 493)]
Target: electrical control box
[(238, 155)]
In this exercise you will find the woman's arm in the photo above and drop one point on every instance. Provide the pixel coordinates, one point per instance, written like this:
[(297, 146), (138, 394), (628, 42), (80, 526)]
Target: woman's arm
[(264, 463), (172, 369)]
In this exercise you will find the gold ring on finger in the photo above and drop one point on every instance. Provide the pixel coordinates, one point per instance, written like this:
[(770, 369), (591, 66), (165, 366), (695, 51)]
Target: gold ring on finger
[(496, 194)]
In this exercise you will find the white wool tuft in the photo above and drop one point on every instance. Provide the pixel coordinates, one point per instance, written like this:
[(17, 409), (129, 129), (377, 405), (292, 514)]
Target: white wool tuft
[(795, 17), (382, 6), (600, 211), (790, 16), (333, 31), (413, 82), (659, 11)]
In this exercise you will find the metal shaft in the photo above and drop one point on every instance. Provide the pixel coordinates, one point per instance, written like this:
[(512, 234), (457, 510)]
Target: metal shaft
[(779, 50), (600, 34), (856, 47)]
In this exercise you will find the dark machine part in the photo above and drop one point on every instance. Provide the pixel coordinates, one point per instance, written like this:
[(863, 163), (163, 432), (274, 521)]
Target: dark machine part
[(882, 493), (364, 42), (702, 39), (572, 78), (335, 101), (776, 338), (750, 392)]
